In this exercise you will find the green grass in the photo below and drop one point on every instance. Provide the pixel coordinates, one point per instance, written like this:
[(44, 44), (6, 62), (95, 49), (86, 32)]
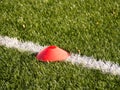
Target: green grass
[(91, 26), (23, 71)]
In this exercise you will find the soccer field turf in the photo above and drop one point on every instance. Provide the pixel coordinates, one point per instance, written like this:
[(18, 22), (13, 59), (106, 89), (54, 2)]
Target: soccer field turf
[(87, 27)]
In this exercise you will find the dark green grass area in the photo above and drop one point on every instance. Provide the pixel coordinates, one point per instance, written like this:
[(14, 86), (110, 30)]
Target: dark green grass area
[(21, 71), (91, 26)]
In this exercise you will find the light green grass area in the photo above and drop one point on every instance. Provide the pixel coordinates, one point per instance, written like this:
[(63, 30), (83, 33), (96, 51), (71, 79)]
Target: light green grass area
[(91, 26)]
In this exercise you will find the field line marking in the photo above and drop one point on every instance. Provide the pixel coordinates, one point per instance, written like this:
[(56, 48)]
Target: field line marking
[(89, 62), (21, 46)]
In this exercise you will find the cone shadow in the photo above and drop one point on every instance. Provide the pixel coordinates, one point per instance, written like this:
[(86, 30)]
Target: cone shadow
[(34, 54)]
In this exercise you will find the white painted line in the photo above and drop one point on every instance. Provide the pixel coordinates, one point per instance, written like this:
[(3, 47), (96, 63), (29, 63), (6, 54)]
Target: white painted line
[(89, 62), (21, 46)]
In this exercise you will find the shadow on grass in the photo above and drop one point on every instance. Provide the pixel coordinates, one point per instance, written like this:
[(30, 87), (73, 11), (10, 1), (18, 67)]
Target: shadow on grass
[(34, 54)]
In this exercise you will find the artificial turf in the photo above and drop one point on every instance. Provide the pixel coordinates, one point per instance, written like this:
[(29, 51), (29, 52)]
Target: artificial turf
[(21, 71), (89, 26)]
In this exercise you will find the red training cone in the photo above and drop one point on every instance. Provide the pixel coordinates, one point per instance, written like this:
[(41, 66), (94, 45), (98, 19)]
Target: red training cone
[(52, 54)]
